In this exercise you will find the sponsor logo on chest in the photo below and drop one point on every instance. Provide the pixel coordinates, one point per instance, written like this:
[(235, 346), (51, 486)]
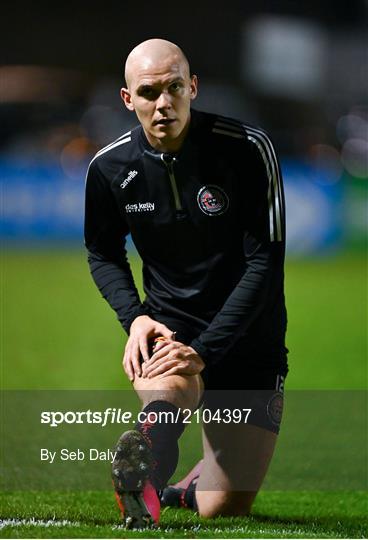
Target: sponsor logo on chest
[(139, 207)]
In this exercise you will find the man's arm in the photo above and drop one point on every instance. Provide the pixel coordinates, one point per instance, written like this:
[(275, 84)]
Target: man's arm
[(105, 235), (238, 312), (264, 246)]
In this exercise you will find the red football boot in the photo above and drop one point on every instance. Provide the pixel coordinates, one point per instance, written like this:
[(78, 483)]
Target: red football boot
[(131, 469)]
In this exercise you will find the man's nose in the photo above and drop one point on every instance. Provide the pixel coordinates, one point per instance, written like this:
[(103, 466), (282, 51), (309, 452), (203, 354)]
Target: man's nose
[(164, 100)]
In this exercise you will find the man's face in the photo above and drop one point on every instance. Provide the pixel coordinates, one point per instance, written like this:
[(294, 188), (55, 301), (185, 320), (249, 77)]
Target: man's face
[(160, 94)]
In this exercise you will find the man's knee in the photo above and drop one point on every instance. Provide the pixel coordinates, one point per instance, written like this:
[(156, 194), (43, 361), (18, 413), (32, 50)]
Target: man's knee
[(224, 503), (181, 390)]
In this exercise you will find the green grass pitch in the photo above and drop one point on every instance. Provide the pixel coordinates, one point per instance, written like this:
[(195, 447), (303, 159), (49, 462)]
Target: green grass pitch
[(57, 333)]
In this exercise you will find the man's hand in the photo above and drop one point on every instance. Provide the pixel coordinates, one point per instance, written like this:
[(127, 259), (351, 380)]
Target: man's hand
[(142, 329), (173, 358)]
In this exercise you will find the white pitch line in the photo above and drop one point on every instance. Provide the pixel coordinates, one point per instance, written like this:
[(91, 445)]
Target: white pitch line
[(37, 523), (66, 523)]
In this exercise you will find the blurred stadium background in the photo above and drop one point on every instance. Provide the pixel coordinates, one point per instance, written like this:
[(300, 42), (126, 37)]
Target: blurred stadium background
[(298, 69)]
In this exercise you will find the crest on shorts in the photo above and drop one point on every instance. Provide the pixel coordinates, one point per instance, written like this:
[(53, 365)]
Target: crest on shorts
[(274, 408), (212, 200)]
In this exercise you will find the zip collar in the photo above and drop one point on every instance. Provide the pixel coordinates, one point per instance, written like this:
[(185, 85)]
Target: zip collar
[(151, 152)]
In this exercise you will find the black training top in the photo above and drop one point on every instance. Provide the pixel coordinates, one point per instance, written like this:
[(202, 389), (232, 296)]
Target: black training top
[(208, 223)]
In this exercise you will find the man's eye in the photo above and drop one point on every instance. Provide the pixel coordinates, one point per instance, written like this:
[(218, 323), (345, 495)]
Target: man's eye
[(175, 86), (147, 92)]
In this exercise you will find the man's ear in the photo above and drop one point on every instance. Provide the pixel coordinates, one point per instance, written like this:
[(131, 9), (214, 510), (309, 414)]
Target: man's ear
[(193, 86), (127, 98)]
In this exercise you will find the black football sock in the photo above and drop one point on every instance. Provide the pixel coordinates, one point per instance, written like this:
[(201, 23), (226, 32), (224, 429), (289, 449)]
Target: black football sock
[(162, 432), (189, 496)]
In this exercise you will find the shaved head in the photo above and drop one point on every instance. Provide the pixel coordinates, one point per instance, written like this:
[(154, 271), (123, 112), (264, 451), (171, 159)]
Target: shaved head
[(152, 53), (159, 90)]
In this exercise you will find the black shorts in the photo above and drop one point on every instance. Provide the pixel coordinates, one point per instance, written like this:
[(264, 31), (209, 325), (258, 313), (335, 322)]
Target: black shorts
[(260, 404), (241, 381)]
